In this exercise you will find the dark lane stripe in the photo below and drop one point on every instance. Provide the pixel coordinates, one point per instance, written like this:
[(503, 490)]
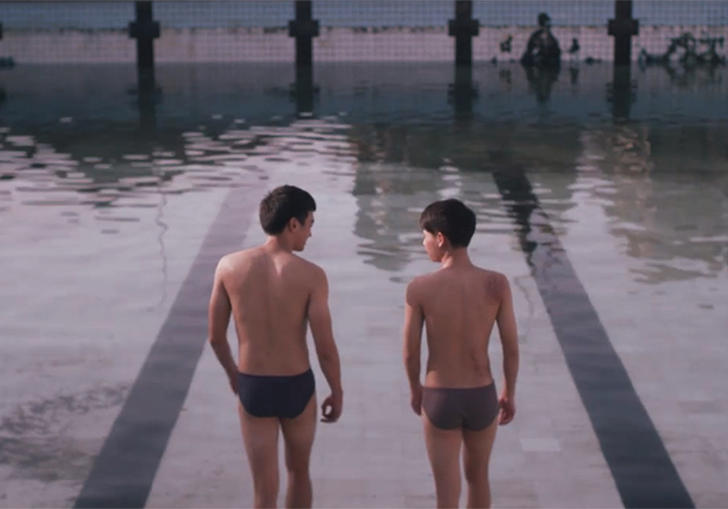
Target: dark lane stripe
[(641, 467), (124, 470)]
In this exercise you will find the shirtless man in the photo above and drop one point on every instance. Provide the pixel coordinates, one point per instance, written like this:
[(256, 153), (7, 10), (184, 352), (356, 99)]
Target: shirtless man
[(272, 294), (458, 304)]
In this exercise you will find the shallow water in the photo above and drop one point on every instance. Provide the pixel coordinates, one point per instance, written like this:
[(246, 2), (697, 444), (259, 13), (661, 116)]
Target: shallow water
[(106, 194)]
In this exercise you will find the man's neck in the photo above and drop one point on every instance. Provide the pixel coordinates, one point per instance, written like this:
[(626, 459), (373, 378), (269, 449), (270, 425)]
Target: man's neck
[(456, 258), (278, 243)]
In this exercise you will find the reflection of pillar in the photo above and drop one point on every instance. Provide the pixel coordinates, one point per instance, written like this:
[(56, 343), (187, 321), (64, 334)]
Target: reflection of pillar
[(144, 30), (147, 95), (463, 28), (462, 92), (623, 27), (5, 61), (2, 90), (303, 28), (304, 90), (620, 92)]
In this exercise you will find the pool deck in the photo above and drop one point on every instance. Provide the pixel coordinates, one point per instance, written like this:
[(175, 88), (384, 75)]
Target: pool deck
[(375, 456), (560, 451)]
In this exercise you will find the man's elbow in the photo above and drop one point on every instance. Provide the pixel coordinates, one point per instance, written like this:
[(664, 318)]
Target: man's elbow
[(327, 355), (216, 340), (410, 358), (510, 352)]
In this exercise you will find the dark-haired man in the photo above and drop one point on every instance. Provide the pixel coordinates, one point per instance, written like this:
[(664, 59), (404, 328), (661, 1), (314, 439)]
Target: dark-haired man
[(458, 304), (272, 294)]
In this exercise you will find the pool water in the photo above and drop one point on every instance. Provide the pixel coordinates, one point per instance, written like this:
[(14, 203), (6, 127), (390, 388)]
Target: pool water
[(616, 199)]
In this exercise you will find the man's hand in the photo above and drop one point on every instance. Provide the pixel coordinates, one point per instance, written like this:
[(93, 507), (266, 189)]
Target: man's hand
[(331, 407), (507, 409), (416, 399)]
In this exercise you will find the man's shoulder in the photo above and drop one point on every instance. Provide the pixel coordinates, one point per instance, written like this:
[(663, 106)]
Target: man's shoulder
[(421, 283), (490, 273), (308, 268), (241, 255), (304, 264), (420, 280), (235, 259), (494, 280)]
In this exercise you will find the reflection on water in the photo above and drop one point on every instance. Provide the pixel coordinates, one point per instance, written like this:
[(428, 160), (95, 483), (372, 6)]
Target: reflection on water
[(668, 208), (405, 137), (106, 186), (670, 218), (542, 80), (395, 174)]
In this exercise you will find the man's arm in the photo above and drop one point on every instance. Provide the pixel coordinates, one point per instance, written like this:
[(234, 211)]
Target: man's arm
[(509, 340), (319, 318), (413, 320), (218, 317)]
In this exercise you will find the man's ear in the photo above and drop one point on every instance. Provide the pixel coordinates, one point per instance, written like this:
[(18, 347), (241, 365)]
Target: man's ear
[(293, 224), (440, 238)]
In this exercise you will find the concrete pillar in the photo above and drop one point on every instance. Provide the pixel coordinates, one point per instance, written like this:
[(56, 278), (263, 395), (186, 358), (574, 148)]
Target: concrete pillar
[(463, 28), (623, 27), (144, 30), (5, 62), (2, 90), (304, 28)]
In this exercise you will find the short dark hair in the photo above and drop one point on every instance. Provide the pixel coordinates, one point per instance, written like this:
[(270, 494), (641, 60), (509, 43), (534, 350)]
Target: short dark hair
[(281, 205), (451, 218)]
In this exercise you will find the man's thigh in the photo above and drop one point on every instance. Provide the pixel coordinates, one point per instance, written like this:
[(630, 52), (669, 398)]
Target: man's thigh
[(443, 447), (479, 444), (260, 437), (298, 434)]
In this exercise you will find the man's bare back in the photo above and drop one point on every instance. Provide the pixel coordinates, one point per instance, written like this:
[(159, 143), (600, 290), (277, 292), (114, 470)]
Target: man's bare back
[(269, 293), (460, 306), (272, 295)]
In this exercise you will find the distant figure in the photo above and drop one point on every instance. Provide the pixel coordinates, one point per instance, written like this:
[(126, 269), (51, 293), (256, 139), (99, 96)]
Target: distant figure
[(573, 52), (505, 45), (458, 304), (272, 294), (574, 49), (542, 49)]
